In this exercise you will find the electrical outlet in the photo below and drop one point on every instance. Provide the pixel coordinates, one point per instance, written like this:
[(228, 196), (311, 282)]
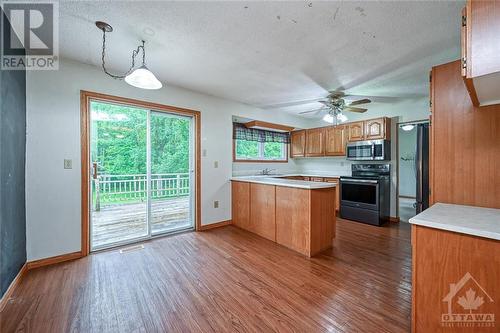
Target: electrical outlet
[(216, 164), (68, 164), (204, 153), (216, 204)]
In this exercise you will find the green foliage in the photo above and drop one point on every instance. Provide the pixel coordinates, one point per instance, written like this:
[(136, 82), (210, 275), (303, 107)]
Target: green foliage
[(247, 149), (273, 149), (250, 150), (119, 138)]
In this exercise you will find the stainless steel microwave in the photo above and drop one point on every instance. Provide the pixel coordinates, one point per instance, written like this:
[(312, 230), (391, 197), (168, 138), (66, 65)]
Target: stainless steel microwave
[(374, 150)]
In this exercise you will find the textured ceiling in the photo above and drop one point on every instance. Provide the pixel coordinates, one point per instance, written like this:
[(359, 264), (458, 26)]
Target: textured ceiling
[(265, 53)]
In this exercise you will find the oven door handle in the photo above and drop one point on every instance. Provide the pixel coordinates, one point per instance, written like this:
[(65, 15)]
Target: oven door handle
[(348, 180)]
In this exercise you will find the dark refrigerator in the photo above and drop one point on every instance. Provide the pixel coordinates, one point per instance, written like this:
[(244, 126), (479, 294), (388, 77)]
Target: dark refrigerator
[(422, 167)]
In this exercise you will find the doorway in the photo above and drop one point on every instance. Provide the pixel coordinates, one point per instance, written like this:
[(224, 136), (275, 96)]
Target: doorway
[(142, 179), (413, 169)]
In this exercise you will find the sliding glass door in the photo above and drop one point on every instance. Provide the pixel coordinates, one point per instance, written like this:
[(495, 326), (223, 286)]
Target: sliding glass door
[(141, 174)]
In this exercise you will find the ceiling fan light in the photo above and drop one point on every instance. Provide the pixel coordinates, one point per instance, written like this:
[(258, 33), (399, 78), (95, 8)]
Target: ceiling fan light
[(342, 117), (143, 78), (328, 118), (407, 127)]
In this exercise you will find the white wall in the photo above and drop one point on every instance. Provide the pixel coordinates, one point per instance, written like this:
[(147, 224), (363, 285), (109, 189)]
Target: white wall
[(53, 134)]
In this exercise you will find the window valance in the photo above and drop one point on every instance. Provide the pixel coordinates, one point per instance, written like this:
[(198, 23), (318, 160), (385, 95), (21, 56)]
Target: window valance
[(240, 132)]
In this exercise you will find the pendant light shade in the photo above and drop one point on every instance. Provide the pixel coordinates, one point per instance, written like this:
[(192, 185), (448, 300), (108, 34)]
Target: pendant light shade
[(143, 78)]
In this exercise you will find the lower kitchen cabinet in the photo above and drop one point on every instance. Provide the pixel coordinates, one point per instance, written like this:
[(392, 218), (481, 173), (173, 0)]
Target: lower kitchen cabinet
[(240, 204), (337, 191), (262, 210), (301, 219)]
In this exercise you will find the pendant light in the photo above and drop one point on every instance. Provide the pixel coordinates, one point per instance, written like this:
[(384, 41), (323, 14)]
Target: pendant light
[(140, 77)]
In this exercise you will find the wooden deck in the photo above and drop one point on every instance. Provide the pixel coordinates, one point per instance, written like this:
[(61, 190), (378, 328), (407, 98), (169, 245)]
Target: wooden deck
[(120, 222)]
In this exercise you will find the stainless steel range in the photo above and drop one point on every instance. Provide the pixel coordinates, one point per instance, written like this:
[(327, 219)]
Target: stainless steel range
[(366, 195)]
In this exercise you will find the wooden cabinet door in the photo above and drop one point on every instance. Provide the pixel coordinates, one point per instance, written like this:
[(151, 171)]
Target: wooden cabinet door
[(337, 191), (262, 210), (335, 140), (315, 142), (293, 218), (482, 43), (376, 129), (240, 204), (357, 131), (297, 143)]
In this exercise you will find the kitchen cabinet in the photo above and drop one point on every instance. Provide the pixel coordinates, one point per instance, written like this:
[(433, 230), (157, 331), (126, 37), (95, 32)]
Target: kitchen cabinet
[(297, 143), (315, 142), (337, 190), (332, 140), (357, 131), (377, 129), (335, 140), (445, 266), (465, 143), (240, 205), (305, 219), (302, 219), (480, 51), (262, 210)]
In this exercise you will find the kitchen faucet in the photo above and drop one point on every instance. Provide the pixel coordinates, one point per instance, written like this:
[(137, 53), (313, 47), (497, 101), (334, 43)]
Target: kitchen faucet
[(267, 171)]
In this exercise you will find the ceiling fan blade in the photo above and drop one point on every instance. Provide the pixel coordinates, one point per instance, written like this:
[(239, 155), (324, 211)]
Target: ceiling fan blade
[(361, 101), (288, 104), (358, 110), (311, 111)]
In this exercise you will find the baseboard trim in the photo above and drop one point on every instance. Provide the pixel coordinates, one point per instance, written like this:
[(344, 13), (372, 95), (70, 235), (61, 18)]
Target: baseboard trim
[(53, 260), (215, 225), (13, 285), (394, 219)]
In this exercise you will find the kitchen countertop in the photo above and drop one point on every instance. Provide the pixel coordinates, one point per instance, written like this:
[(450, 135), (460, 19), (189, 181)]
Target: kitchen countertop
[(277, 181), (470, 220)]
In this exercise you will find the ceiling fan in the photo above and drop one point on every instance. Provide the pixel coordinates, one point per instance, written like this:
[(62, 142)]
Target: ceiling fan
[(334, 106)]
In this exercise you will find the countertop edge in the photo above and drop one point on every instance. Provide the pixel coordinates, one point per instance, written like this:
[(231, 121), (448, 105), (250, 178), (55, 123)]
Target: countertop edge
[(458, 229), (313, 186)]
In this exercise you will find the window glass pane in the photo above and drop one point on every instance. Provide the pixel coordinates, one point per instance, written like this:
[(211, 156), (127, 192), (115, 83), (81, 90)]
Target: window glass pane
[(273, 150), (247, 149)]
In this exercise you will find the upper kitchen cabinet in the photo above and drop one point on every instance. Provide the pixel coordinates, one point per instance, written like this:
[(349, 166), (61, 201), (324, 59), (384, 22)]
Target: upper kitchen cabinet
[(481, 50), (335, 140), (297, 144), (315, 142), (376, 129), (357, 131)]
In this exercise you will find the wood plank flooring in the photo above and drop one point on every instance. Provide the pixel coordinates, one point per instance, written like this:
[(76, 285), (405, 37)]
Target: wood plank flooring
[(225, 280)]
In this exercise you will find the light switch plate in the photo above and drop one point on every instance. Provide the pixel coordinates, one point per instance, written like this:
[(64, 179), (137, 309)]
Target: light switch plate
[(68, 164)]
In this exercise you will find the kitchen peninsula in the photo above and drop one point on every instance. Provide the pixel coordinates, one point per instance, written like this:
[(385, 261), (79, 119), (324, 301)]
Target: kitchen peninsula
[(295, 213)]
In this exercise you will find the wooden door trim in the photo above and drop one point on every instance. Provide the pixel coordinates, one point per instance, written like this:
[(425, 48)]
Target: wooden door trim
[(85, 98)]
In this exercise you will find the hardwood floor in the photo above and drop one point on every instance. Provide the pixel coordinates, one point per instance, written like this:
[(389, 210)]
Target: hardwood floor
[(225, 279)]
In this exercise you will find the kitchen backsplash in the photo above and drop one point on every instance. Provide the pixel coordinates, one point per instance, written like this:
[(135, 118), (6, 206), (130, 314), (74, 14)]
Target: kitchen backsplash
[(319, 165)]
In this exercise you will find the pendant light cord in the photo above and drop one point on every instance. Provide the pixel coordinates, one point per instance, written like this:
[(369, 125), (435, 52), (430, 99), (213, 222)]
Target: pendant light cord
[(134, 55)]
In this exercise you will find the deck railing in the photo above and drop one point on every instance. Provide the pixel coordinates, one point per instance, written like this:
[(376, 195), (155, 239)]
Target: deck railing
[(108, 189)]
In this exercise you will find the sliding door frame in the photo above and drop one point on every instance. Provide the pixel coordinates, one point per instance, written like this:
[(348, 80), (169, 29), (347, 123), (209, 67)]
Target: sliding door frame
[(85, 98)]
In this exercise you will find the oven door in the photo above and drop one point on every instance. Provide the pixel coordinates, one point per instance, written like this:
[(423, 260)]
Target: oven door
[(360, 151), (359, 193)]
